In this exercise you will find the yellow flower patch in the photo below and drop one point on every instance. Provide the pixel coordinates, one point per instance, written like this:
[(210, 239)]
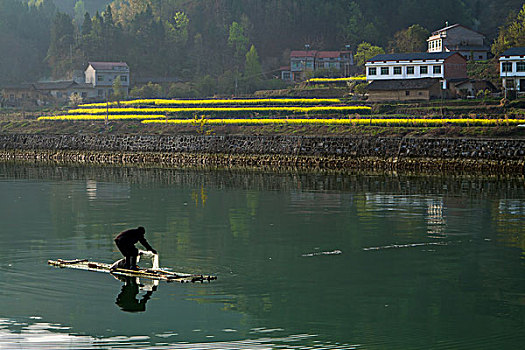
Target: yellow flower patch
[(361, 121), (277, 101), (335, 80), (317, 109), (101, 117)]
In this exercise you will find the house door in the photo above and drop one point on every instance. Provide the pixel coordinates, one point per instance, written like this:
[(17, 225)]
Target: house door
[(522, 85)]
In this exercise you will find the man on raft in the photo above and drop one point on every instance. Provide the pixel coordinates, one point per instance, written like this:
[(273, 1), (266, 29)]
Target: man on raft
[(125, 242)]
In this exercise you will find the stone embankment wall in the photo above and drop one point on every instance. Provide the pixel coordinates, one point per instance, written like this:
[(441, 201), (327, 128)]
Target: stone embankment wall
[(498, 156)]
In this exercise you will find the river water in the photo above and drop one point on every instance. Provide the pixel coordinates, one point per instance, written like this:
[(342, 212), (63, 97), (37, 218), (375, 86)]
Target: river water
[(304, 260)]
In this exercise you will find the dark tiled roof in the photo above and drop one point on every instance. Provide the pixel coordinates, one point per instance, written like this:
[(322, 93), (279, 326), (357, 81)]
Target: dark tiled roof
[(412, 56), (468, 48), (22, 86), (54, 85), (309, 53), (107, 65), (402, 84), (454, 26), (515, 51), (445, 29)]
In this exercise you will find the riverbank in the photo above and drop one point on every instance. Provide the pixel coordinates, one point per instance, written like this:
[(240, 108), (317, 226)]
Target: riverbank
[(457, 155)]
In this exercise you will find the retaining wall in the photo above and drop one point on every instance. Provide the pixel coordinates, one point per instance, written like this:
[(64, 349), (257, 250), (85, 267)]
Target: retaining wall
[(305, 151)]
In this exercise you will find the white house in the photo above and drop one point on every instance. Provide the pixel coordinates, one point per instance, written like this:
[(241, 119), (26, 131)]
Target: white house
[(458, 38), (101, 76), (512, 69), (413, 76), (313, 60), (401, 66)]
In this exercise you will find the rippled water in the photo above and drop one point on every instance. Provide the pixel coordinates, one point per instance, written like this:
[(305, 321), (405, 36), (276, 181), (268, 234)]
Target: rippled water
[(304, 261)]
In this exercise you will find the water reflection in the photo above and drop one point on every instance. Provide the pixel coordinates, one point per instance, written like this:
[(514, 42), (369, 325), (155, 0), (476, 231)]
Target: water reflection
[(34, 333), (390, 262), (129, 299)]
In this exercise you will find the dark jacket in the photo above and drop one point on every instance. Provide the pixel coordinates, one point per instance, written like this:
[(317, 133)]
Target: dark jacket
[(128, 239)]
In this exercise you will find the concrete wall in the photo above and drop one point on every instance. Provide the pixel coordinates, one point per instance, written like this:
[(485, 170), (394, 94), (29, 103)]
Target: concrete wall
[(334, 151), (399, 95)]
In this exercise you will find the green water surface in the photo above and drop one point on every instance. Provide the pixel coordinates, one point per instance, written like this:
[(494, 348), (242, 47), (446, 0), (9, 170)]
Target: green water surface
[(304, 260)]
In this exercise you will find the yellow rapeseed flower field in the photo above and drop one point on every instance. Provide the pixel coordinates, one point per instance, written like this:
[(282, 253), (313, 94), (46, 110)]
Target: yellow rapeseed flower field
[(335, 80), (313, 110), (361, 121), (101, 117), (255, 101)]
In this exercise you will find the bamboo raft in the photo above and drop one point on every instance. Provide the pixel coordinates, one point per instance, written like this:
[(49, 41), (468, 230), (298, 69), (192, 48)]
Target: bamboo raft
[(153, 274)]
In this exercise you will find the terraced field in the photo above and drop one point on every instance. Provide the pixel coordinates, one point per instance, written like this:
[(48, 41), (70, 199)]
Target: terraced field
[(287, 111)]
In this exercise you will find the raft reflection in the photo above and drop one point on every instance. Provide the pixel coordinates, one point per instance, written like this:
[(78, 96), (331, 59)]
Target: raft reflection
[(128, 299)]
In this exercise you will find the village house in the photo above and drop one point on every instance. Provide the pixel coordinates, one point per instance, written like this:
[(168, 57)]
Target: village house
[(305, 61), (458, 38), (101, 76), (414, 76), (96, 83), (512, 70), (23, 95)]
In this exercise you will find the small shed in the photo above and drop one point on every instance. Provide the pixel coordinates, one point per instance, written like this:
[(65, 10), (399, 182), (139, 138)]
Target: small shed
[(469, 88), (404, 90)]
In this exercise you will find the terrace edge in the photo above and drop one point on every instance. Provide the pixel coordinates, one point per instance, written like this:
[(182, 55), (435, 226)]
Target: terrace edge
[(343, 153)]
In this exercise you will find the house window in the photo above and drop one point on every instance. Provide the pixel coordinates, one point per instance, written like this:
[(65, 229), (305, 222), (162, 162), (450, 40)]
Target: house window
[(423, 70), (84, 94), (520, 67), (506, 67), (397, 70), (437, 69), (100, 78), (385, 70), (410, 70), (407, 93), (372, 71)]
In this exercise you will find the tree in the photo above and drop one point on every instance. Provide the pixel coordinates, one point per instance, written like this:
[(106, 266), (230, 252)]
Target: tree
[(75, 99), (412, 39), (207, 86), (357, 28), (252, 66), (118, 92), (149, 90), (86, 26), (177, 29), (252, 69), (366, 51), (80, 11), (61, 45), (238, 42), (512, 34)]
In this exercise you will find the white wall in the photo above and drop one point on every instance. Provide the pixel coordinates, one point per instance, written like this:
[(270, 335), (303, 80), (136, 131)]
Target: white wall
[(404, 65), (514, 60)]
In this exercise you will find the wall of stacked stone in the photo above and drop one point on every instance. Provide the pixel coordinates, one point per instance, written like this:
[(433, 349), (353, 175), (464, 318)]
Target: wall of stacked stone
[(339, 151)]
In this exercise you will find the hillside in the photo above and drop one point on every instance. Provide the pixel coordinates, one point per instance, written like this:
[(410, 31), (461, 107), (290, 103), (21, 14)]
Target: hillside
[(196, 39)]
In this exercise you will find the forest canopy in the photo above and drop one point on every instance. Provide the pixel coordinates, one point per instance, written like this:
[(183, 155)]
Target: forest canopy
[(195, 39)]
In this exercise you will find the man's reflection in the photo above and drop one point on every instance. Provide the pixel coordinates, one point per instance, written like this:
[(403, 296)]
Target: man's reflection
[(127, 299)]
